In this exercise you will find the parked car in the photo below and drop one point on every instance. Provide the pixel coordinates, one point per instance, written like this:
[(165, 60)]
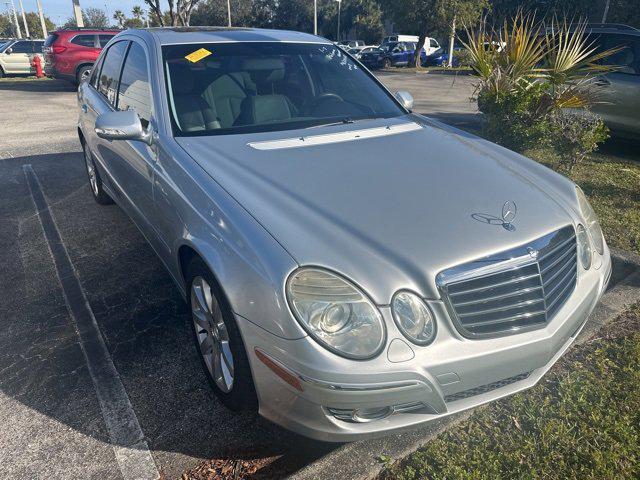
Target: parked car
[(393, 54), (440, 57), (347, 44), (16, 56), (358, 51), (619, 102), (70, 54), (351, 268)]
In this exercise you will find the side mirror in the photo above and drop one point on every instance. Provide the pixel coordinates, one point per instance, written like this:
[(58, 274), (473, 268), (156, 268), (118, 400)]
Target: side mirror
[(405, 99), (8, 51), (122, 126)]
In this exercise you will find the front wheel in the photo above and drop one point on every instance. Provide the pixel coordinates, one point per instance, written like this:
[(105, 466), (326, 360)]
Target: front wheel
[(95, 182), (386, 63), (218, 341)]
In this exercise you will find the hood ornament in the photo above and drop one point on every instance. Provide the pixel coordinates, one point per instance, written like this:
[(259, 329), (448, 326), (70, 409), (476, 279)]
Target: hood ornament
[(509, 212)]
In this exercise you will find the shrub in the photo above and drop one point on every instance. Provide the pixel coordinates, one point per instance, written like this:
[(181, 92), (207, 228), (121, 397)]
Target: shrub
[(529, 77)]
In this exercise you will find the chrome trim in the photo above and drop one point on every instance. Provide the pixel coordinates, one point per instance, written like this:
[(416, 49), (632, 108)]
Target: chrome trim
[(548, 273)]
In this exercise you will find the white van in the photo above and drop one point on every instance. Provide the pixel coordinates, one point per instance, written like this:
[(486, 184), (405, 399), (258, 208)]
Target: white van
[(400, 38)]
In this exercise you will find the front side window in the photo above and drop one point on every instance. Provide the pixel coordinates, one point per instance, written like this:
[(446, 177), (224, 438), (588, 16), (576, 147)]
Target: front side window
[(84, 40), (110, 71), (221, 88), (135, 91), (627, 59)]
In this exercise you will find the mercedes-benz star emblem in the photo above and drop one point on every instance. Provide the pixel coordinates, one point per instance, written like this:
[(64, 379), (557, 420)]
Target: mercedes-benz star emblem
[(509, 212)]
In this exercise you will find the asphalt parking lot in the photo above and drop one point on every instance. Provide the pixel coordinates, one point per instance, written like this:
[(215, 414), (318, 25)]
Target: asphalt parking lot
[(52, 422)]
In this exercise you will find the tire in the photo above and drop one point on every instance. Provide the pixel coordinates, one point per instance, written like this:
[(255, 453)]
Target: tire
[(217, 332), (83, 73), (95, 182), (1, 73), (386, 63)]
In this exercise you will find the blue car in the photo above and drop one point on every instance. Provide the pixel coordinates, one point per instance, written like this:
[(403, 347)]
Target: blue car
[(392, 54), (440, 58)]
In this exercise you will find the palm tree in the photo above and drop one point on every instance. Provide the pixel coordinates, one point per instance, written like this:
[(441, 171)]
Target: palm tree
[(119, 16), (137, 12)]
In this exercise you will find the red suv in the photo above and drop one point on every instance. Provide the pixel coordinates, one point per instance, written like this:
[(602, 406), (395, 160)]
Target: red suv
[(70, 54)]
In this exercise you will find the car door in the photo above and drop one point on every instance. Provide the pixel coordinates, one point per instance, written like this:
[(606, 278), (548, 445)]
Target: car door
[(399, 54), (619, 102), (19, 60)]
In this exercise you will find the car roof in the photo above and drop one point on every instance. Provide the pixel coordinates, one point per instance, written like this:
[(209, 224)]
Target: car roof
[(181, 35), (611, 28)]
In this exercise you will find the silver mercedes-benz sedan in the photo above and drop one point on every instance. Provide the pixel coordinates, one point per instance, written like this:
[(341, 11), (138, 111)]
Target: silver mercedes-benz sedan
[(351, 268)]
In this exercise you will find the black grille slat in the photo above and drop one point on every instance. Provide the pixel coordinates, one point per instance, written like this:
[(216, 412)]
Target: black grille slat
[(536, 281), (472, 392)]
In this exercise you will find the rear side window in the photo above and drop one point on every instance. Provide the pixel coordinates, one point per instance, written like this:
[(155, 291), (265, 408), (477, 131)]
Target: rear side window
[(84, 40), (104, 39), (50, 40), (95, 73), (110, 71), (135, 92), (22, 47)]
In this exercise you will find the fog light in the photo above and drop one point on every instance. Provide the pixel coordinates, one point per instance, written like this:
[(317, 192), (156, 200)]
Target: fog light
[(363, 415)]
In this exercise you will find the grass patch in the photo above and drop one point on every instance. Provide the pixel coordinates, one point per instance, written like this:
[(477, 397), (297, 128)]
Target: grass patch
[(582, 421), (613, 188)]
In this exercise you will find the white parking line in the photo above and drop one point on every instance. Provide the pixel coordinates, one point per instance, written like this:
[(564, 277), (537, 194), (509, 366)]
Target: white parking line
[(129, 444)]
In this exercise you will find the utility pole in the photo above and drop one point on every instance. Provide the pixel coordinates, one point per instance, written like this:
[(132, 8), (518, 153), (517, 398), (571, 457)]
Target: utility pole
[(24, 20), (43, 24), (338, 34), (606, 11), (77, 12), (229, 11), (315, 17), (15, 19)]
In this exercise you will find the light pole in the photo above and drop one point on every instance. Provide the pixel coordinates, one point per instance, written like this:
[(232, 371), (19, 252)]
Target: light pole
[(43, 24), (24, 20), (15, 18), (338, 34), (315, 17), (77, 12), (229, 11)]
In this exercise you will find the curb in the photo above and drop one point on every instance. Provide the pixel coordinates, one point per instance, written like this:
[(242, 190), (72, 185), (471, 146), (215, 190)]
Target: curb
[(362, 460)]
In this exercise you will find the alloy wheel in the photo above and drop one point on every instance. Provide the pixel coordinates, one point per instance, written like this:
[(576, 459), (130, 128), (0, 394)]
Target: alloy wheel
[(212, 334), (91, 171)]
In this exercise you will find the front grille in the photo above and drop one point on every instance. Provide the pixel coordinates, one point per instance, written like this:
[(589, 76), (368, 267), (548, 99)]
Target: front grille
[(520, 289), (472, 392)]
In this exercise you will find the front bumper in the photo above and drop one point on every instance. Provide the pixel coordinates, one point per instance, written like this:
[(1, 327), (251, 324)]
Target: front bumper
[(422, 383)]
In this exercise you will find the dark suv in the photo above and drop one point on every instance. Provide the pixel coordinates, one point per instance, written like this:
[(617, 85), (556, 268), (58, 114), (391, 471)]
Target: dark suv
[(619, 102), (70, 54)]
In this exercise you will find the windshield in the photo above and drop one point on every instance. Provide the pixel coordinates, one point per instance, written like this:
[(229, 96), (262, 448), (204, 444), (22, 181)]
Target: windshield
[(222, 88)]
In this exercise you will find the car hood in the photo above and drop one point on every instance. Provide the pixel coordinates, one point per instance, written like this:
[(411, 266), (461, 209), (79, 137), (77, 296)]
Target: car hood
[(388, 210)]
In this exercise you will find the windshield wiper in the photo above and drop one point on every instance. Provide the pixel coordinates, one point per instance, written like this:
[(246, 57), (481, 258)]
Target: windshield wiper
[(344, 121)]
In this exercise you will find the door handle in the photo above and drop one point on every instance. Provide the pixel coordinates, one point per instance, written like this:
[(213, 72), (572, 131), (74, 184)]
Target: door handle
[(84, 107), (603, 82)]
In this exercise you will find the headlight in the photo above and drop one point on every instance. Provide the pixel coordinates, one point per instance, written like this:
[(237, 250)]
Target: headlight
[(584, 246), (591, 220), (336, 313), (413, 318)]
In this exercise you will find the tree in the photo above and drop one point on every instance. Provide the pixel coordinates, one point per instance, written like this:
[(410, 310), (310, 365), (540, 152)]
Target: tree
[(35, 29), (178, 13), (7, 27), (364, 17), (294, 15), (245, 13), (120, 18), (453, 14), (137, 12), (94, 18)]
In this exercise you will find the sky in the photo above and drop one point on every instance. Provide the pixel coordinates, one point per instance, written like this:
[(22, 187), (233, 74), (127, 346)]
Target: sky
[(60, 10)]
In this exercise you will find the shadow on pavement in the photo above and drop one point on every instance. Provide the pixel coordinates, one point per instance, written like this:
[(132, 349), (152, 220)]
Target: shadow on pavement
[(142, 318), (30, 84)]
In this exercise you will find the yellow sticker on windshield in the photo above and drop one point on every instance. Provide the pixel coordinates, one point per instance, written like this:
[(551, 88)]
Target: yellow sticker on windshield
[(198, 55)]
